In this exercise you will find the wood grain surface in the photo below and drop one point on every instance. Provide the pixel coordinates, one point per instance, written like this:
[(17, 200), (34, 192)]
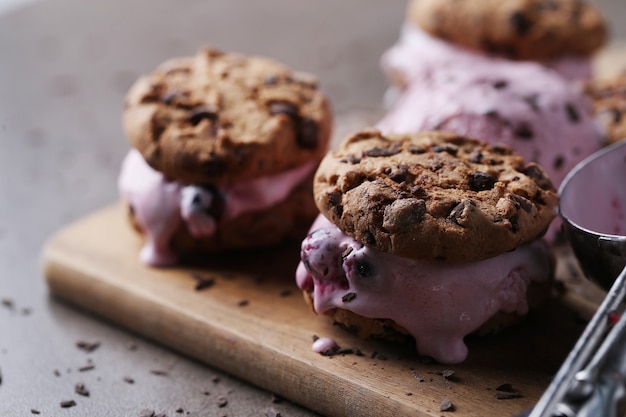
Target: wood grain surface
[(251, 321)]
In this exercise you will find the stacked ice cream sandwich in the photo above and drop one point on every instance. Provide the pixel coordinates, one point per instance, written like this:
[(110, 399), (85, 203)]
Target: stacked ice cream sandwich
[(224, 147), (432, 235)]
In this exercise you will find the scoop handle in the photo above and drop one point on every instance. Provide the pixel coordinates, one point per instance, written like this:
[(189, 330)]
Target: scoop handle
[(566, 395)]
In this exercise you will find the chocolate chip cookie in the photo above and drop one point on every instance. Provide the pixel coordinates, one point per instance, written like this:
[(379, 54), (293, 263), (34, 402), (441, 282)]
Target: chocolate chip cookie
[(220, 117), (518, 29), (433, 195), (609, 105)]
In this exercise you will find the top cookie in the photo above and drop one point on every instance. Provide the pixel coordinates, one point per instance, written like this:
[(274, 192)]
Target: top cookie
[(609, 105), (433, 195), (219, 117), (517, 29)]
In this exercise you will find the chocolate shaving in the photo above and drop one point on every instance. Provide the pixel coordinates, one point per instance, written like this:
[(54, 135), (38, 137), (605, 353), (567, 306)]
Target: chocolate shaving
[(86, 368), (572, 113), (158, 372), (68, 404)]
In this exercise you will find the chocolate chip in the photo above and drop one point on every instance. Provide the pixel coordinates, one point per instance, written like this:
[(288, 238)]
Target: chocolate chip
[(458, 212), (514, 224), (481, 181), (348, 297), (572, 113), (86, 368), (535, 173), (416, 149), (364, 269), (400, 174), (378, 152), (351, 159), (500, 84), (524, 131), (559, 161), (33, 411), (533, 101), (449, 148), (418, 191), (369, 238), (213, 167), (198, 114), (521, 202), (521, 24), (492, 113), (218, 202), (308, 133), (476, 157), (243, 303), (176, 98), (283, 107), (128, 380)]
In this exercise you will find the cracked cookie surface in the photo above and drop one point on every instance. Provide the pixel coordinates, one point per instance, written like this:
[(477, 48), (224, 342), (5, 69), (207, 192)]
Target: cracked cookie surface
[(518, 29), (221, 117), (433, 195)]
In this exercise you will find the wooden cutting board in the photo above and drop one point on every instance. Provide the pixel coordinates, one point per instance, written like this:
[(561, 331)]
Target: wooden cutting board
[(253, 323)]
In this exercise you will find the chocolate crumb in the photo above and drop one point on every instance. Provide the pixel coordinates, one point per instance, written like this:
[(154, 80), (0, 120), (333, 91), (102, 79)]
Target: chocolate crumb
[(416, 376), (33, 411), (87, 346), (524, 132), (202, 281), (8, 303), (158, 372), (86, 368), (500, 84), (80, 389), (243, 303), (68, 404), (408, 394), (132, 346), (215, 379), (206, 392), (308, 134), (446, 373), (222, 402), (285, 293), (521, 24), (507, 392), (446, 405), (180, 410), (270, 412), (129, 380), (57, 372), (276, 399)]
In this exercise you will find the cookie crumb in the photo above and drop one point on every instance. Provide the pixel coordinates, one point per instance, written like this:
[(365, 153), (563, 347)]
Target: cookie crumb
[(158, 372), (270, 412)]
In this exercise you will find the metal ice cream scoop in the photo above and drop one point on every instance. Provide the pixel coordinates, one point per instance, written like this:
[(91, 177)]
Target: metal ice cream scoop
[(592, 380)]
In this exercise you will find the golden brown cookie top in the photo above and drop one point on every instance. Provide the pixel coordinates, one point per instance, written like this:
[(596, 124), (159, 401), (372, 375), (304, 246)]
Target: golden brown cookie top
[(609, 105), (518, 29), (433, 195), (220, 117)]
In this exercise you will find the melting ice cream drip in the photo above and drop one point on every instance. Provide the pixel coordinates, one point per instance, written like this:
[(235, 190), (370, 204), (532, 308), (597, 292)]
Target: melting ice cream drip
[(438, 303)]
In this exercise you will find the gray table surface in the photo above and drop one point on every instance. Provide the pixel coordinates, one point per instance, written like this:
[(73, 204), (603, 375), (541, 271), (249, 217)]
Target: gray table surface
[(65, 66)]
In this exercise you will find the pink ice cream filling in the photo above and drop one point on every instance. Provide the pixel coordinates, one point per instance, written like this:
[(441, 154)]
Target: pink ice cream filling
[(437, 303), (417, 52), (160, 205)]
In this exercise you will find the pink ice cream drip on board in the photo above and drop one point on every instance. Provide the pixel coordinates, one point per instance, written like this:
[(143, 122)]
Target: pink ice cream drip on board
[(438, 303), (159, 205)]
